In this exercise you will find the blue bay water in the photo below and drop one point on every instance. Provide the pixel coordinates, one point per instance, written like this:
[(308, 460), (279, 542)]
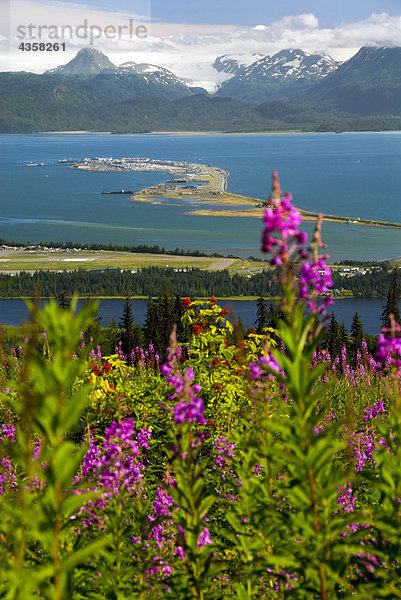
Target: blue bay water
[(14, 311), (352, 174)]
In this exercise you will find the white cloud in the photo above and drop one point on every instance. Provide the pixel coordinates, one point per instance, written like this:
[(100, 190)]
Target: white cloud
[(190, 50), (305, 20)]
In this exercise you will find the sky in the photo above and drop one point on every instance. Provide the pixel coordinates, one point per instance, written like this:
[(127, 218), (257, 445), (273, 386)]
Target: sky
[(186, 36), (251, 12)]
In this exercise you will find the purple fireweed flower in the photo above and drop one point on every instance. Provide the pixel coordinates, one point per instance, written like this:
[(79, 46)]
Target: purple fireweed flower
[(224, 450), (315, 277), (7, 433), (373, 412), (143, 438), (346, 498), (389, 343), (180, 552), (224, 455), (224, 447), (189, 407), (321, 427), (191, 411), (120, 353), (268, 361), (162, 504), (287, 244), (8, 478), (365, 445), (37, 448), (283, 220), (117, 464), (256, 372), (204, 538)]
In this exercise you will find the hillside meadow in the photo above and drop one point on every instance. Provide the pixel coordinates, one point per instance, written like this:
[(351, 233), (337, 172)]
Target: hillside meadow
[(224, 467)]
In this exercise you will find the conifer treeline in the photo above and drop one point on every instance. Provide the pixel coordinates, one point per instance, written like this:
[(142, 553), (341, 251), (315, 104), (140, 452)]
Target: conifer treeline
[(146, 282), (95, 246), (193, 283)]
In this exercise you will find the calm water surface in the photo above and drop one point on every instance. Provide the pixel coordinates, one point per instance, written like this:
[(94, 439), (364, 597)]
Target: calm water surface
[(14, 311), (352, 174)]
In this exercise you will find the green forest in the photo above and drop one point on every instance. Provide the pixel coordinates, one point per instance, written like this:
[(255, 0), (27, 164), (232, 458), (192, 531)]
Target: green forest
[(193, 283), (31, 103)]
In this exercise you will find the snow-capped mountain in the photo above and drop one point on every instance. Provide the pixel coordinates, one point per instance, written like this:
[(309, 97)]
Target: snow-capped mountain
[(97, 74), (151, 73), (230, 74), (235, 63), (289, 71), (291, 64), (243, 76)]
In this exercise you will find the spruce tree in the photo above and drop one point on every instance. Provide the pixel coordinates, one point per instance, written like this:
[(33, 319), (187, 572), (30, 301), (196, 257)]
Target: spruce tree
[(273, 314), (150, 321), (165, 319), (112, 336), (392, 306), (139, 336), (127, 327), (178, 313), (63, 300), (357, 331), (94, 330), (262, 315), (334, 338), (357, 336), (345, 341), (239, 331)]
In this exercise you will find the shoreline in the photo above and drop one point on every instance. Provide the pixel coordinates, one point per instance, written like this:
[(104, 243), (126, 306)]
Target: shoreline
[(75, 132), (232, 133), (204, 133), (176, 133), (205, 299), (306, 216)]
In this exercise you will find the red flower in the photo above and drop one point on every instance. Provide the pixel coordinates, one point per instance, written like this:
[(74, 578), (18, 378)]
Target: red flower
[(106, 368), (224, 312), (186, 302), (196, 329), (212, 300)]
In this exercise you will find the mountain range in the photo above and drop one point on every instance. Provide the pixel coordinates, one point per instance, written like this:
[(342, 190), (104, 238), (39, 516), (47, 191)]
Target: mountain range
[(93, 71), (367, 84), (291, 89), (289, 73)]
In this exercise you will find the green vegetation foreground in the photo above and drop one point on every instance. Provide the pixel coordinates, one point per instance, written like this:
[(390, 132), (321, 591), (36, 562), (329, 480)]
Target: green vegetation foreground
[(255, 468)]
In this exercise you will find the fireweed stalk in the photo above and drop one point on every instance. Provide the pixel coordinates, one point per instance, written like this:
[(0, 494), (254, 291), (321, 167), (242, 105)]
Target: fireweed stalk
[(389, 351), (189, 491), (294, 520), (189, 407), (302, 270)]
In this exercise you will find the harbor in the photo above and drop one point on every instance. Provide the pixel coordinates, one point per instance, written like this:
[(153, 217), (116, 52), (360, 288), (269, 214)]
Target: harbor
[(198, 182)]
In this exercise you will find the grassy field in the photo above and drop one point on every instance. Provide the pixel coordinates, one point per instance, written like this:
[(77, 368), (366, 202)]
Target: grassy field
[(14, 261)]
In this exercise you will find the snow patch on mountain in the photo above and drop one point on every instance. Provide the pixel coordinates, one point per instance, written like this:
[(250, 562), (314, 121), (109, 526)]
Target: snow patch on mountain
[(233, 63), (290, 64)]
